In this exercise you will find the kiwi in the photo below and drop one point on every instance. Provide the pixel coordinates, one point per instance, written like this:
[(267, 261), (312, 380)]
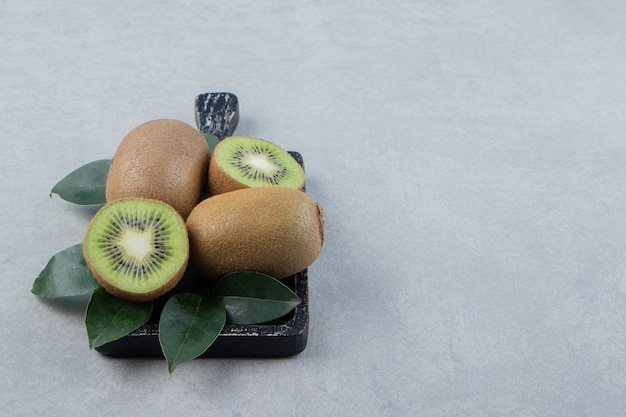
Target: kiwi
[(162, 159), (278, 231), (242, 162), (137, 248)]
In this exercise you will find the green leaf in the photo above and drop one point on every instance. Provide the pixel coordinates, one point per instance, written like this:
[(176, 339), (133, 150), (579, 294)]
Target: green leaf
[(252, 298), (85, 186), (109, 318), (65, 275), (211, 140), (189, 324)]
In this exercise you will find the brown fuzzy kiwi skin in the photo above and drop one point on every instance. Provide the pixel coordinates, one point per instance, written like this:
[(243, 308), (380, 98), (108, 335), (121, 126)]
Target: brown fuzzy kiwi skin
[(219, 181), (275, 230), (138, 297), (162, 159)]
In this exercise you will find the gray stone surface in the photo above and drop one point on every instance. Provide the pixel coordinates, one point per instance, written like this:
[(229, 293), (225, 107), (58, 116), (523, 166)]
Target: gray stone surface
[(470, 156)]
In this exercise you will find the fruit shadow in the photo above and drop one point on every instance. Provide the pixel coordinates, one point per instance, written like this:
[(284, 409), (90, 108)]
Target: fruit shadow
[(68, 306), (246, 127), (84, 212), (191, 282)]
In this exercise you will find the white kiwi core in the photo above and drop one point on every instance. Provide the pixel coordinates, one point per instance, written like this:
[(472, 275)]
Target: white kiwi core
[(138, 245), (261, 163)]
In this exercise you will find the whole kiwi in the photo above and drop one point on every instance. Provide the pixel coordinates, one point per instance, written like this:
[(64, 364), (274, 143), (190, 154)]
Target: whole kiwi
[(275, 230), (162, 159)]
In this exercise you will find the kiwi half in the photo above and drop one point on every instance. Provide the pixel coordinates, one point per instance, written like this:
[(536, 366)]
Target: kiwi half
[(137, 248), (245, 162)]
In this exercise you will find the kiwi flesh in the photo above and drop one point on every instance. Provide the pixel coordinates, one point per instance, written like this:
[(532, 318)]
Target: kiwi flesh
[(137, 248), (277, 231), (243, 162)]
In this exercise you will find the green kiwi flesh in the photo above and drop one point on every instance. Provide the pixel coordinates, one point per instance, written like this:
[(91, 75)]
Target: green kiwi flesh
[(243, 162), (137, 248)]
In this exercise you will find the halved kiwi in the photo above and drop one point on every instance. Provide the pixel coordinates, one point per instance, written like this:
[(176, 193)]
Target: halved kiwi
[(243, 162), (137, 248)]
